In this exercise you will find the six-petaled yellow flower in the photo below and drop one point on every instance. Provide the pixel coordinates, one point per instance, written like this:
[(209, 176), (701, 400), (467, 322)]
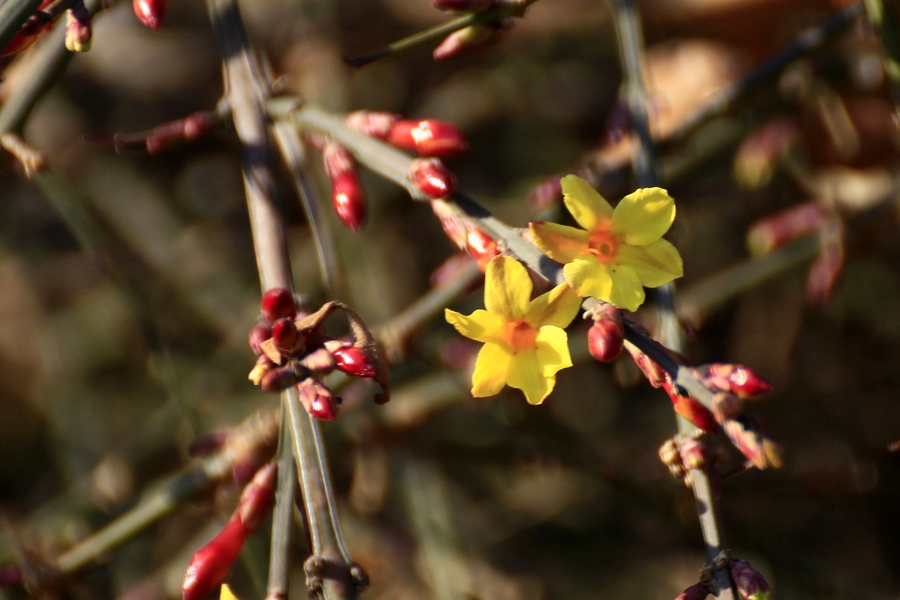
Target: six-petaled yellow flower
[(524, 341), (620, 251)]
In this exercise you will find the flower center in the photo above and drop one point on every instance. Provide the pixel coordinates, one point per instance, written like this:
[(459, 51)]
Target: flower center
[(603, 244), (520, 336)]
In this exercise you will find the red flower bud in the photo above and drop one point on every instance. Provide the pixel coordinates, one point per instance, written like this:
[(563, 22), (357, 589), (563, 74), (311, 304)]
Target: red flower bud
[(209, 566), (279, 379), (738, 379), (432, 177), (692, 410), (462, 42), (318, 399), (371, 123), (349, 200), (285, 335), (462, 5), (828, 265), (750, 583), (429, 137), (78, 28), (772, 232), (455, 227), (607, 334), (744, 433), (277, 303), (481, 247), (546, 194), (347, 193), (654, 373), (353, 361), (258, 497), (150, 12), (698, 591), (260, 333)]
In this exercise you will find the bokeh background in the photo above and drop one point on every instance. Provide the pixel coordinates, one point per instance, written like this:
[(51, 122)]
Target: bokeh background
[(113, 358)]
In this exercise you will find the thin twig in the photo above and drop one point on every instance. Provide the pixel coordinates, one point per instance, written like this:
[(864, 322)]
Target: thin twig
[(282, 518), (13, 13)]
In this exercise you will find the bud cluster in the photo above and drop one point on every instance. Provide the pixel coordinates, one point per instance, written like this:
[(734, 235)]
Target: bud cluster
[(210, 565), (291, 351)]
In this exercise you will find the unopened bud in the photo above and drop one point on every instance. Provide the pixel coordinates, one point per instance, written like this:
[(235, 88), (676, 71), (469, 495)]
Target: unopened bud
[(78, 28), (317, 399), (607, 334), (432, 177), (654, 373), (150, 12), (726, 406), (757, 158), (481, 247), (276, 380), (691, 409), (209, 566), (698, 591), (462, 42), (353, 361), (780, 228), (750, 583), (347, 193), (825, 270), (546, 194), (738, 379), (429, 137), (258, 497), (285, 335), (277, 303), (694, 453), (457, 6), (454, 226), (746, 436), (260, 333), (372, 123)]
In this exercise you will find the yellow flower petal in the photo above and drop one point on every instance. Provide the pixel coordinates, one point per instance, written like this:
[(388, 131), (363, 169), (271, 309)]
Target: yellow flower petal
[(589, 277), (480, 326), (552, 350), (655, 264), (561, 243), (507, 288), (642, 217), (557, 307), (587, 206), (491, 370), (627, 291), (525, 374), (226, 594)]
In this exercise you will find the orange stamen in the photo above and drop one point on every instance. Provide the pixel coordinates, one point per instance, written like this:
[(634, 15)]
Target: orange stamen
[(520, 336), (603, 244)]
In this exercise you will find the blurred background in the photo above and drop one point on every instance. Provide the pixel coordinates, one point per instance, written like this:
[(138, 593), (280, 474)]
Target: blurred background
[(113, 359)]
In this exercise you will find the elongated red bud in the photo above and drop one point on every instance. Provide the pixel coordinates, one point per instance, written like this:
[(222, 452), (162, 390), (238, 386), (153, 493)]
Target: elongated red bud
[(746, 436), (318, 399), (432, 177), (150, 12), (827, 267), (698, 591), (429, 137), (260, 333), (372, 123), (277, 303), (607, 335), (285, 335), (209, 566), (750, 583), (258, 497), (78, 28), (780, 228), (462, 42), (481, 247), (174, 133), (691, 409), (353, 361), (759, 154), (462, 5), (347, 193), (738, 379)]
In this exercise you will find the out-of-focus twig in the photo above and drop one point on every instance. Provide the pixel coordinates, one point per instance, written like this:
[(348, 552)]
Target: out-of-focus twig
[(13, 13), (884, 18), (279, 556), (438, 32), (807, 42)]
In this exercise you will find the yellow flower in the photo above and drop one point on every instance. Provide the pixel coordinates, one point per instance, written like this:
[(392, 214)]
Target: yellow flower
[(226, 594), (524, 343), (619, 252)]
